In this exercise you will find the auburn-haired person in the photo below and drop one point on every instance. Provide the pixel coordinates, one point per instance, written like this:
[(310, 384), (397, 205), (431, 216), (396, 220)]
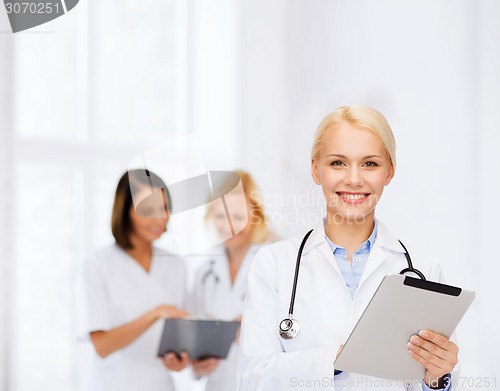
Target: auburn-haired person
[(220, 283)]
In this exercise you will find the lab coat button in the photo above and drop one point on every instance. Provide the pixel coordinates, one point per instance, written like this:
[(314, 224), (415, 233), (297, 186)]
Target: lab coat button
[(358, 260)]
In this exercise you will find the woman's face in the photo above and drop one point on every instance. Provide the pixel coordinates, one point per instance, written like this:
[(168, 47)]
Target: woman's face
[(234, 226), (352, 168), (149, 220)]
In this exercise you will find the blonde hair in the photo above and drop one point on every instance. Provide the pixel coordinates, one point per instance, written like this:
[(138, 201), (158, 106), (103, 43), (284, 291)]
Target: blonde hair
[(260, 232), (359, 116)]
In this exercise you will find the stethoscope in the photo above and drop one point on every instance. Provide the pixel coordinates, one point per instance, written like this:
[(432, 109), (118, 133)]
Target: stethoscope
[(289, 327), (210, 272), (216, 278)]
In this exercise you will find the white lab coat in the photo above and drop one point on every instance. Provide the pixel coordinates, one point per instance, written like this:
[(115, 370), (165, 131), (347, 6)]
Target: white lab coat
[(222, 300), (113, 289), (324, 308)]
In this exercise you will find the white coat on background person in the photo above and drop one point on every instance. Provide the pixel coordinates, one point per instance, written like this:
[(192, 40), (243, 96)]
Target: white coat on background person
[(353, 159), (125, 290), (116, 290), (216, 297), (220, 283), (214, 294)]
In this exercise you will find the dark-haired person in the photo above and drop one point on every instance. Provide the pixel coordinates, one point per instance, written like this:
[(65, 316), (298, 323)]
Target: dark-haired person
[(125, 288)]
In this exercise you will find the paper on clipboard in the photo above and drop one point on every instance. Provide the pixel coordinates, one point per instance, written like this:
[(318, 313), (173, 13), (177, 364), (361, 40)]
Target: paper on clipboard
[(200, 338), (401, 307)]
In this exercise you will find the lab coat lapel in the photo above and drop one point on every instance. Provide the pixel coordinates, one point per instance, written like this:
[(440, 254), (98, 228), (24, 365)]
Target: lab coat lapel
[(318, 242), (385, 244), (325, 249), (376, 258), (221, 268)]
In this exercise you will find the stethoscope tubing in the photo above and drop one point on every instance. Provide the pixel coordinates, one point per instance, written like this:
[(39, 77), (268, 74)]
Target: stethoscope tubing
[(410, 268), (211, 271), (290, 327), (296, 276)]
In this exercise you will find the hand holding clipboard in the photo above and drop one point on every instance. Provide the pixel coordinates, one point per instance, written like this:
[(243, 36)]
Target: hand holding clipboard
[(199, 338)]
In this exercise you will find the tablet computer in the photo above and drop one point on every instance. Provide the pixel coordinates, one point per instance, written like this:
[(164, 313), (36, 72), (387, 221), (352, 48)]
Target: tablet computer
[(200, 338), (400, 308)]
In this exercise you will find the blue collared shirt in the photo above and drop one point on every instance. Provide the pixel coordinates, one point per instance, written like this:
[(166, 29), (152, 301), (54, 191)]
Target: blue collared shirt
[(351, 273)]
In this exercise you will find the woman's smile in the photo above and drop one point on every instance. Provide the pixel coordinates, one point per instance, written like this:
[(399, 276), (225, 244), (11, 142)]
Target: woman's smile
[(352, 198)]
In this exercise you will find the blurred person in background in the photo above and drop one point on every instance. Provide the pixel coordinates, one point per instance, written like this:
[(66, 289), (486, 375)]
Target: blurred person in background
[(220, 283), (127, 287)]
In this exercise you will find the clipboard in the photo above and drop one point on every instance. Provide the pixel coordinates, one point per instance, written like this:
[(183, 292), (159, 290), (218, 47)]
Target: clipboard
[(200, 338), (400, 308)]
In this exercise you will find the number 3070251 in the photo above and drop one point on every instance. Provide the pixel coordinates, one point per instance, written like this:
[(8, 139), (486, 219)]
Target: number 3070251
[(32, 8), (478, 381)]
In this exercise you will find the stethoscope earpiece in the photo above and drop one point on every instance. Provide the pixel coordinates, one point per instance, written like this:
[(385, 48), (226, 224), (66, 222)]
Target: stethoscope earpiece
[(289, 328)]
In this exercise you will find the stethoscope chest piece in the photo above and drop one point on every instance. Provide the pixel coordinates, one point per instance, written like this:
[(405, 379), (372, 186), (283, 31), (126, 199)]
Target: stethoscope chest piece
[(289, 328)]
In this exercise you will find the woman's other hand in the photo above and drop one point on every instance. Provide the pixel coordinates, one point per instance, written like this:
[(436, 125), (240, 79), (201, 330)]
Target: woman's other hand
[(339, 350), (169, 311), (238, 332), (206, 366), (173, 363), (436, 353)]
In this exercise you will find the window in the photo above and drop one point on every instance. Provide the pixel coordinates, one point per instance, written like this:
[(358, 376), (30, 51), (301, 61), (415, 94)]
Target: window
[(91, 90)]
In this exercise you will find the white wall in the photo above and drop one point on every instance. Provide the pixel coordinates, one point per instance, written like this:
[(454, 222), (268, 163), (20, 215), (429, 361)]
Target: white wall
[(261, 75), (6, 194), (432, 69), (214, 74)]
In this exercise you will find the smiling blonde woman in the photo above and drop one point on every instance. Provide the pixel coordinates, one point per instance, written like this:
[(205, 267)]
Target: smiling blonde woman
[(344, 260)]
